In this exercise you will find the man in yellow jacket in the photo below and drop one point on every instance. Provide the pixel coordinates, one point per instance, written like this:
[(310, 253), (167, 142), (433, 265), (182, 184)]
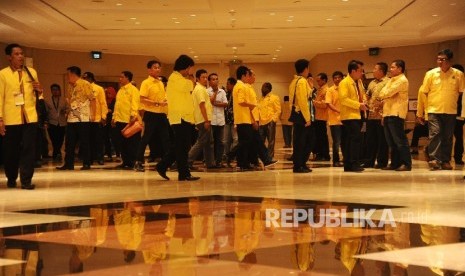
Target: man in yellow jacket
[(18, 117), (352, 98)]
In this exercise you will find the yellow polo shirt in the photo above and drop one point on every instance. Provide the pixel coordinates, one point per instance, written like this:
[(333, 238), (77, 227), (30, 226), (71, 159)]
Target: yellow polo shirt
[(178, 92), (269, 108), (321, 109), (349, 98), (127, 103), (200, 95), (332, 97), (100, 109), (154, 90), (443, 90), (10, 84), (395, 97), (241, 95)]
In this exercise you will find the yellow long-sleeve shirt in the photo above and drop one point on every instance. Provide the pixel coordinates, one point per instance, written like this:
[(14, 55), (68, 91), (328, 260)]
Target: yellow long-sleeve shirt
[(10, 85), (302, 90), (395, 97), (321, 109), (99, 108), (349, 98), (127, 103), (179, 97), (269, 108)]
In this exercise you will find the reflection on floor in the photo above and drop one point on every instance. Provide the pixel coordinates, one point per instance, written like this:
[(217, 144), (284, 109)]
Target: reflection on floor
[(114, 222)]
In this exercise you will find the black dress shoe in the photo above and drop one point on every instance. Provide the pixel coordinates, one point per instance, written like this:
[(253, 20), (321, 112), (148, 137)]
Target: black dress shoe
[(162, 172), (138, 167), (188, 178), (302, 170), (28, 186), (404, 168), (11, 184), (65, 167), (100, 162), (85, 167), (270, 163), (389, 168)]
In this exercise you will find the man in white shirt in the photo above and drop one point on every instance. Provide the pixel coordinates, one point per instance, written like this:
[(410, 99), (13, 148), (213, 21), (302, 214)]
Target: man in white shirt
[(219, 102)]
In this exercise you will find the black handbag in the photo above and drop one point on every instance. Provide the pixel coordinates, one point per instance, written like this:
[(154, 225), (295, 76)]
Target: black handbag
[(296, 116)]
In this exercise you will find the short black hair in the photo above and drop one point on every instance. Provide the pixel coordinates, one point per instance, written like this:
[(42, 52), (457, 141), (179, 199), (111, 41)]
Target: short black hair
[(163, 79), (353, 65), (199, 73), (128, 75), (458, 67), (152, 62), (55, 85), (9, 48), (400, 63), (268, 86), (323, 76), (241, 71), (74, 70), (383, 66), (212, 74), (232, 80), (338, 73), (89, 75), (183, 62), (447, 52), (300, 65), (286, 98)]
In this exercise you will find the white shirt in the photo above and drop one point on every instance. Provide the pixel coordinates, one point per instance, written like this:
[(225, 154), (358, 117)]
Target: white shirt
[(218, 112)]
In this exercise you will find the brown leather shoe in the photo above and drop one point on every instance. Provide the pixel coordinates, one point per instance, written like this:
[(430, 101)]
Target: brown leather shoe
[(446, 166), (434, 165), (404, 168)]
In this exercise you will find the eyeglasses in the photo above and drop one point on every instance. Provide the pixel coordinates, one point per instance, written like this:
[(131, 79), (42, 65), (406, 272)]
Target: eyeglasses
[(442, 59)]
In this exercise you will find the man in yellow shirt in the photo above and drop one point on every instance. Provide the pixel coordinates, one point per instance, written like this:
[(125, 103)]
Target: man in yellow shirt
[(79, 97), (285, 124), (352, 98), (126, 111), (321, 147), (243, 117), (155, 106), (181, 115), (377, 148), (299, 97), (442, 85), (203, 110), (99, 110), (334, 119), (18, 118), (395, 107), (269, 108)]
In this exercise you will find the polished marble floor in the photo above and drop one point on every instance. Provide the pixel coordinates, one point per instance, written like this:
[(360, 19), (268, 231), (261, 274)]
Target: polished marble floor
[(119, 222)]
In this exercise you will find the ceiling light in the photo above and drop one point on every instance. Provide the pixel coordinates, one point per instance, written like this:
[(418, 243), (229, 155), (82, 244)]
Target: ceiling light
[(277, 50), (234, 48), (289, 20), (272, 13), (329, 19), (339, 48), (196, 56), (174, 18), (137, 23), (274, 58), (133, 18), (235, 56), (177, 22), (291, 16), (345, 0), (193, 15), (119, 4), (434, 15), (453, 4)]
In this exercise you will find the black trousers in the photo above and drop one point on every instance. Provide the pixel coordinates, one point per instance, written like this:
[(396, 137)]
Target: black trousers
[(96, 141), (245, 139), (77, 132), (156, 127), (218, 146), (182, 136), (321, 147), (19, 151), (128, 145), (303, 143), (377, 147), (57, 136), (352, 141), (458, 145)]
